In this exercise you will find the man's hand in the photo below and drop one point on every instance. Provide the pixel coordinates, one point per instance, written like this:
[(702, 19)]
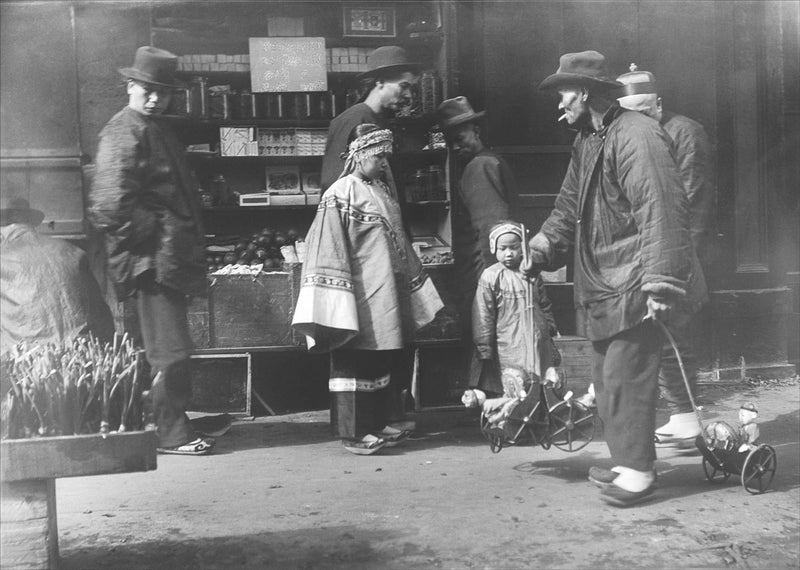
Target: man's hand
[(658, 308), (540, 249)]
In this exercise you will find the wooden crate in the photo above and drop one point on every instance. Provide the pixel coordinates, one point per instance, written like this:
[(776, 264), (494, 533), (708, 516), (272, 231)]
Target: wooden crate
[(29, 468), (222, 383)]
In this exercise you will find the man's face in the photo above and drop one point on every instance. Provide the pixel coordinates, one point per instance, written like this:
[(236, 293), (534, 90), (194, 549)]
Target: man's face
[(464, 140), (573, 103), (395, 92), (148, 99), (509, 250)]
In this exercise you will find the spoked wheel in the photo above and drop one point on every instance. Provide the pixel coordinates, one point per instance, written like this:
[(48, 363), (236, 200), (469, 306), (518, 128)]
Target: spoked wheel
[(493, 435), (715, 473), (572, 425), (759, 469)]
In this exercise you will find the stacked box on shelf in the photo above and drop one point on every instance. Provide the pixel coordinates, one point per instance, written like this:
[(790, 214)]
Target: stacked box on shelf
[(347, 59), (277, 142), (311, 142), (237, 141), (212, 62)]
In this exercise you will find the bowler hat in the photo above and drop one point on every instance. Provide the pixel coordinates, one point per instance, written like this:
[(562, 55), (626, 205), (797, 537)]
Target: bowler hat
[(456, 111), (154, 66), (388, 58), (14, 209), (637, 82), (582, 68)]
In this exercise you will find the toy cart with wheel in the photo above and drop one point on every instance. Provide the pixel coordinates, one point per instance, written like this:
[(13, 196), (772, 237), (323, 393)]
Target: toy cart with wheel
[(755, 466), (544, 417)]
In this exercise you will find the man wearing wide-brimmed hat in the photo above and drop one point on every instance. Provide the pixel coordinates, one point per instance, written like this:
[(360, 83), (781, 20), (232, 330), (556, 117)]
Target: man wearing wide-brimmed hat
[(385, 87), (487, 193), (694, 157), (144, 199), (47, 290), (623, 210)]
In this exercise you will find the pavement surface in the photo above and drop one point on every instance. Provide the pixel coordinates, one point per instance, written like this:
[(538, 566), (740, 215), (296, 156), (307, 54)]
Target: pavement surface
[(280, 493)]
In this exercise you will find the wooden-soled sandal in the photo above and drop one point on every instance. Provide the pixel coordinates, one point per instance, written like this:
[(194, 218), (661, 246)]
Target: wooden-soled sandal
[(366, 446), (198, 446)]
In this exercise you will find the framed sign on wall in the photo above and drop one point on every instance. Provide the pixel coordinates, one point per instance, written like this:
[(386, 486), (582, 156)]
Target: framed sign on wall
[(368, 21)]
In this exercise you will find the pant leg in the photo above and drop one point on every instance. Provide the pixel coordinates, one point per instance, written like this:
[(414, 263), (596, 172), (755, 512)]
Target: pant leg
[(625, 372), (692, 340), (359, 391), (165, 334)]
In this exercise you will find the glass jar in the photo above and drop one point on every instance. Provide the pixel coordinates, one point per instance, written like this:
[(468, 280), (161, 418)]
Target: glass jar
[(220, 190)]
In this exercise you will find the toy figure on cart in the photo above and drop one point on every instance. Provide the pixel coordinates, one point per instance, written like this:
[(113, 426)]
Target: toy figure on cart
[(729, 451), (512, 330)]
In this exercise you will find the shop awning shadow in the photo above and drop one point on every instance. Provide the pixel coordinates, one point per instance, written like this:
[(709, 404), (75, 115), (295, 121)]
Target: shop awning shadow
[(307, 548)]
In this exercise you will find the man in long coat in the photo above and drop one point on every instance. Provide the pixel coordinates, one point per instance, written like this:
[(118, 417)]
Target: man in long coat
[(144, 199), (694, 158), (487, 194), (623, 208)]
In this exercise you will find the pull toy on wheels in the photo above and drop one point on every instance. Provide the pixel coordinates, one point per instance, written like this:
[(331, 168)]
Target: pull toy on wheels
[(723, 456), (727, 451), (545, 419)]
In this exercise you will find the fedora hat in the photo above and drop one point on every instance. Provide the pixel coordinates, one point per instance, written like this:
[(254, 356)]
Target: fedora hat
[(388, 58), (456, 111), (582, 68), (154, 66), (16, 210)]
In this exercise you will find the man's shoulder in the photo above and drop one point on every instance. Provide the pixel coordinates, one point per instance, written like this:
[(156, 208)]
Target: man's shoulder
[(674, 123), (484, 160), (124, 120), (355, 115), (635, 125)]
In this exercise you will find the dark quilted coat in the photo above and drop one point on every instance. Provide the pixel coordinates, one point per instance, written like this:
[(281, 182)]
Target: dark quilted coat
[(623, 207), (144, 198)]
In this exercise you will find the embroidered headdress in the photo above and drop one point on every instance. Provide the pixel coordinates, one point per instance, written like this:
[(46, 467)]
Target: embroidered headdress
[(370, 144)]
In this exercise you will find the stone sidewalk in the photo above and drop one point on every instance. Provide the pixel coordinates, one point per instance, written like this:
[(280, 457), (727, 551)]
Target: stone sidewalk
[(280, 493)]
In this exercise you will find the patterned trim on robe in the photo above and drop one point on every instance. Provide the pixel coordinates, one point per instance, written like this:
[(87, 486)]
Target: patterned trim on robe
[(358, 384)]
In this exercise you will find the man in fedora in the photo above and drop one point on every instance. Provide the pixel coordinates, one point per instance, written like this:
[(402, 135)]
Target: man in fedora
[(694, 157), (47, 290), (144, 198), (487, 194), (385, 87), (622, 209)]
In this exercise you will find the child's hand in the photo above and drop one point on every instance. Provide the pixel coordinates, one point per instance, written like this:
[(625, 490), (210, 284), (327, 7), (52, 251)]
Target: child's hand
[(473, 398), (551, 377)]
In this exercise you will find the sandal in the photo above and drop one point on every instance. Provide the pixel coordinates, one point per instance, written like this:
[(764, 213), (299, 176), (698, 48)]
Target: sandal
[(197, 447), (367, 445), (392, 436)]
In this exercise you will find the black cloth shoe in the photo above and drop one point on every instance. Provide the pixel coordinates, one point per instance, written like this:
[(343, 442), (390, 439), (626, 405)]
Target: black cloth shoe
[(619, 497), (602, 477)]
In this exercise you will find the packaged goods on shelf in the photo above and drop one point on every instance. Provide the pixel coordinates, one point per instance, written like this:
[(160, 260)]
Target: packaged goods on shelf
[(256, 199), (287, 199), (214, 62), (238, 141), (292, 142)]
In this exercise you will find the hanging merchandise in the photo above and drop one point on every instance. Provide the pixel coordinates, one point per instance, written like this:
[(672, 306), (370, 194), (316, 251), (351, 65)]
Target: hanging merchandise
[(429, 92)]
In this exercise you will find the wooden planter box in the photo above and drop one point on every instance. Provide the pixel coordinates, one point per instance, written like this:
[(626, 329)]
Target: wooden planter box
[(29, 468)]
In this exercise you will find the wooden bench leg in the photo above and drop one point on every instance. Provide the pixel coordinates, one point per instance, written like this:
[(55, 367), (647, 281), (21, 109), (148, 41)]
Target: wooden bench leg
[(28, 525)]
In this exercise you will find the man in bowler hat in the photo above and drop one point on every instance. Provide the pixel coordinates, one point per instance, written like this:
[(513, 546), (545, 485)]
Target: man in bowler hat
[(145, 200), (385, 87), (487, 194), (47, 290), (622, 208)]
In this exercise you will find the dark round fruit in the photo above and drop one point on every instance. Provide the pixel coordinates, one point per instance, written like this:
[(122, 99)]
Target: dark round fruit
[(280, 240), (241, 246), (264, 241), (261, 254), (219, 259), (251, 247), (229, 258)]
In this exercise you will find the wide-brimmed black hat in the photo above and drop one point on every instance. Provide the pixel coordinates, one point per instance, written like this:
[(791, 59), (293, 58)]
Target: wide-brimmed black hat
[(16, 210), (582, 68), (389, 58), (456, 111), (154, 66)]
